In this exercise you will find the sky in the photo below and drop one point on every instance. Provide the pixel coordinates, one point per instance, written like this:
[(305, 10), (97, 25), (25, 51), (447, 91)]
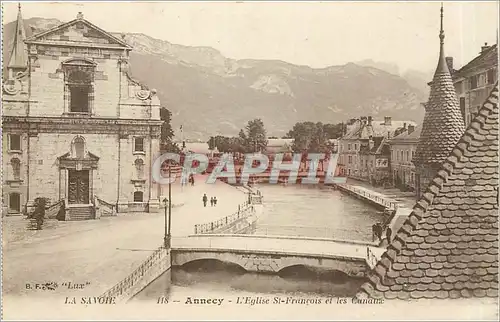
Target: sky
[(317, 34)]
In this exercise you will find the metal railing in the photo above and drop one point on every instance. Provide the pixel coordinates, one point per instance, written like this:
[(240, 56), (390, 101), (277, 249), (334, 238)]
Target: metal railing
[(371, 196), (131, 280), (303, 231), (244, 210)]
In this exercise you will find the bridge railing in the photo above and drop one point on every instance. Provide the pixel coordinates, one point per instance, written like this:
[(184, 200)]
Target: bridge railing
[(372, 196), (244, 210), (274, 244), (121, 289), (305, 231)]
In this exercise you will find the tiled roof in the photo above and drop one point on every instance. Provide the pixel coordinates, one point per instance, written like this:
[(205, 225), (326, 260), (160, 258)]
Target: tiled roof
[(19, 54), (377, 128), (415, 135), (443, 122), (486, 59), (448, 246)]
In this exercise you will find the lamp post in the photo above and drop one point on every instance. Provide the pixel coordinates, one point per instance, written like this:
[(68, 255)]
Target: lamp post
[(168, 223)]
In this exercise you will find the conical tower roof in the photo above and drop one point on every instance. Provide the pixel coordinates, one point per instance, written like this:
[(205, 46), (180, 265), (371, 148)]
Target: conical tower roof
[(443, 122), (18, 55)]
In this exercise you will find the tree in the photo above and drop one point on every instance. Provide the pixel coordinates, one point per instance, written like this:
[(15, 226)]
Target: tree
[(313, 137), (211, 143), (167, 133), (256, 138)]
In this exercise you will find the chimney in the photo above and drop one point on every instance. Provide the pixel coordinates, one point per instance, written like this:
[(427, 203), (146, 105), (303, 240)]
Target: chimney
[(387, 120), (79, 15), (485, 47), (411, 128), (449, 62), (370, 120), (404, 126)]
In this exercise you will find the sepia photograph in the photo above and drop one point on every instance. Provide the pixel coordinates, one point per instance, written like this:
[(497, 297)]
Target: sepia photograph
[(250, 160)]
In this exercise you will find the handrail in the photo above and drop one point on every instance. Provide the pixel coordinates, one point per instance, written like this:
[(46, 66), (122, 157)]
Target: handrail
[(54, 204), (54, 208), (131, 280), (104, 202), (372, 196), (244, 211)]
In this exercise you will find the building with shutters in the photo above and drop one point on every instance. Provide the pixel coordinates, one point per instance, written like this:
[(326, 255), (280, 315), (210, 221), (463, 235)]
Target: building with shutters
[(77, 129)]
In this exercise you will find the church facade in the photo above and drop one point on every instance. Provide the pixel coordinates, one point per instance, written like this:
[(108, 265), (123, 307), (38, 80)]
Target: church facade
[(76, 127)]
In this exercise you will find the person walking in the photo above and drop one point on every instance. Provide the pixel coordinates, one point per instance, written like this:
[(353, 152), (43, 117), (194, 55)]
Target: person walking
[(215, 201), (212, 201), (205, 199), (388, 234)]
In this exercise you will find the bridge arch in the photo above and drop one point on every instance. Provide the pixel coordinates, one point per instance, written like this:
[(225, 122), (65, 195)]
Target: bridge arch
[(270, 262), (212, 263)]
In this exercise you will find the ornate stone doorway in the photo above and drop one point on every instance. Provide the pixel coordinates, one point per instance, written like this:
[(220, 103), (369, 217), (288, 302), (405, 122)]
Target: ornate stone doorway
[(78, 186)]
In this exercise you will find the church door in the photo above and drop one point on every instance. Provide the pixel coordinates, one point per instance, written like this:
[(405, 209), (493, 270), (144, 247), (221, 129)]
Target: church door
[(78, 187)]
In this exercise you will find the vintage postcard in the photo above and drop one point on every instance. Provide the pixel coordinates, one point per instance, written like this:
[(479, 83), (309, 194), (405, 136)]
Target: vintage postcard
[(250, 160)]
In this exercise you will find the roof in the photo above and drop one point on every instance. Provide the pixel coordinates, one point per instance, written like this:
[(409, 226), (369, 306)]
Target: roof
[(378, 142), (363, 130), (105, 39), (403, 137), (485, 60), (443, 121), (19, 54), (448, 246)]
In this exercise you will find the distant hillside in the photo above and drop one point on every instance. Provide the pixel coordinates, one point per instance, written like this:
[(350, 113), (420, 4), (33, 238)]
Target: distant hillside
[(211, 94)]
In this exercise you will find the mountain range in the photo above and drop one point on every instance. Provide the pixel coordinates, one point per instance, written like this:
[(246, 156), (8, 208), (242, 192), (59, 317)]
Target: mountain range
[(210, 94)]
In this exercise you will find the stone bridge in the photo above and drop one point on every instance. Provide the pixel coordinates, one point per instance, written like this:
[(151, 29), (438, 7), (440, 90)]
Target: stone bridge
[(271, 254)]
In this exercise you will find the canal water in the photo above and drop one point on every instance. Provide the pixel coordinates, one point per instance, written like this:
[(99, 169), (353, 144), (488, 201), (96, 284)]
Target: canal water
[(293, 210)]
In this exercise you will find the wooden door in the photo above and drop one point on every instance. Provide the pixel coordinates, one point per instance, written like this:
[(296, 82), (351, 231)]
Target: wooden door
[(78, 187)]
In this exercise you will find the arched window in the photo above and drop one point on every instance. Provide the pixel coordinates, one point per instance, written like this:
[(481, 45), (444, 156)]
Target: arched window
[(138, 195), (16, 168), (79, 145), (15, 202), (139, 166), (79, 78)]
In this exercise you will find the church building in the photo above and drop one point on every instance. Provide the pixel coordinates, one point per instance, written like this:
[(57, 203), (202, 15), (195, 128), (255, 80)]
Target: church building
[(77, 129)]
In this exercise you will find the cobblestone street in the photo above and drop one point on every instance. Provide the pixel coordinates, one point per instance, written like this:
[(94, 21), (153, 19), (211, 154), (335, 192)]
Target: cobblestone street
[(102, 252)]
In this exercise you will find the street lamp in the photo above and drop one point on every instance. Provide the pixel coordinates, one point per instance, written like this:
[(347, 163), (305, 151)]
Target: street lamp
[(167, 237)]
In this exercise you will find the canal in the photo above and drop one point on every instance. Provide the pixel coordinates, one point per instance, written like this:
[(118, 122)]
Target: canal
[(293, 210)]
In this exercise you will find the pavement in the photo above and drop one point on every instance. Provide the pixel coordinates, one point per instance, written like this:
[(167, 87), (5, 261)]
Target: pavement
[(100, 253)]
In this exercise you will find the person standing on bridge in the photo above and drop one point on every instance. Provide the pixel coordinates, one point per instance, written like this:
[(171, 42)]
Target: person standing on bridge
[(204, 199), (215, 201), (212, 201), (388, 234)]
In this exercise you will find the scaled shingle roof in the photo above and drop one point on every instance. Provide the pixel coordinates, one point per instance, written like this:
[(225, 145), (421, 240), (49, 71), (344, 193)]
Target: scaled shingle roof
[(448, 246), (443, 121)]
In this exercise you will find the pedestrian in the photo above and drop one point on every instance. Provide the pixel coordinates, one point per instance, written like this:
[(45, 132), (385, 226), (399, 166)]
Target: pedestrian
[(215, 201), (388, 234), (212, 201), (205, 199), (192, 180)]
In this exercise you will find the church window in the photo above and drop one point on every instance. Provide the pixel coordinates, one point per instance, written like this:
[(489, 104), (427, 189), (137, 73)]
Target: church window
[(139, 145), (79, 78), (138, 196), (16, 168), (79, 145), (15, 142), (139, 166)]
